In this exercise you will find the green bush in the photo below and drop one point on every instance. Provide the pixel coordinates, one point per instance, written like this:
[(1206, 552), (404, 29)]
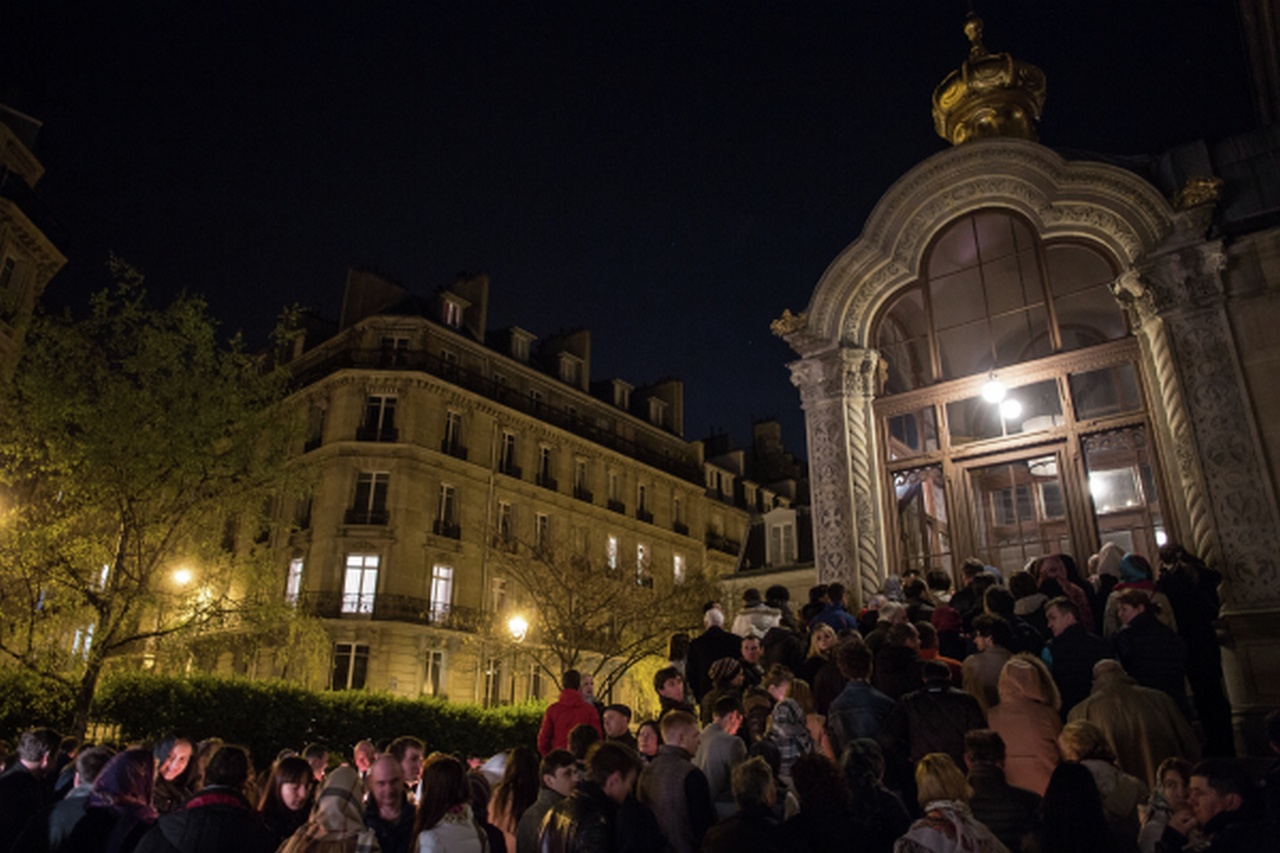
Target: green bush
[(268, 716), (28, 700)]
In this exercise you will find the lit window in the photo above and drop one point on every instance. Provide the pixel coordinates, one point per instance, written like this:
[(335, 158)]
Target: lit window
[(611, 552), (293, 584), (452, 315), (677, 568), (441, 591), (360, 584)]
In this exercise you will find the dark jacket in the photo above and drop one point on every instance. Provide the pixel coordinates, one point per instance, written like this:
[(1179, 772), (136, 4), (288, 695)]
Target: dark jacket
[(859, 711), (108, 830), (1071, 656), (636, 830), (51, 826), (1154, 655), (1009, 812), (1237, 831), (216, 820), (935, 718), (897, 671), (679, 796), (168, 796), (394, 836), (754, 830), (22, 794), (530, 824), (837, 617), (704, 650), (785, 646), (582, 822), (817, 830)]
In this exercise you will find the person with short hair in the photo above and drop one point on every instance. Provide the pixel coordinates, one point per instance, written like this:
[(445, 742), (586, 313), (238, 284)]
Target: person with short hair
[(616, 721), (1149, 650), (1071, 652), (993, 637), (362, 755), (51, 826), (317, 755), (174, 772), (948, 826), (1222, 796), (586, 820), (675, 789), (1010, 812), (570, 710), (24, 787), (668, 683), (834, 613), (752, 828), (720, 750), (934, 718), (218, 818), (388, 811), (860, 711), (410, 752), (558, 775), (705, 649)]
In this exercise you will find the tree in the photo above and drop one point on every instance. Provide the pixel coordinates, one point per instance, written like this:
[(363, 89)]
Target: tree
[(588, 615), (132, 442)]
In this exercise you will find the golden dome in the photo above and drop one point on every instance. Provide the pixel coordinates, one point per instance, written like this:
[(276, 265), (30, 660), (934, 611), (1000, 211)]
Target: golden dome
[(991, 94)]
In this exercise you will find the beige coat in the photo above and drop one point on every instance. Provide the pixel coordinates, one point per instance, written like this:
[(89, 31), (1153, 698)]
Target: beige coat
[(1028, 722)]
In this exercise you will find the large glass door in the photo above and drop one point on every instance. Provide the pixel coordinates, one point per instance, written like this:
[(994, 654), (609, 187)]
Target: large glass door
[(1019, 509)]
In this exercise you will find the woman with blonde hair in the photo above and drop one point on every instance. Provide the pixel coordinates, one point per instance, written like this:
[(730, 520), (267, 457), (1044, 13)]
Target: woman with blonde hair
[(1121, 793), (822, 639), (1028, 721), (948, 826)]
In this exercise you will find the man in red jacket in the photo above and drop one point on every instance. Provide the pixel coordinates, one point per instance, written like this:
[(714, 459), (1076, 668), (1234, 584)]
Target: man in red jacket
[(562, 715)]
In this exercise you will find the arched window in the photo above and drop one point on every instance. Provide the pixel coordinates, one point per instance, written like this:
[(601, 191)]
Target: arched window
[(993, 295)]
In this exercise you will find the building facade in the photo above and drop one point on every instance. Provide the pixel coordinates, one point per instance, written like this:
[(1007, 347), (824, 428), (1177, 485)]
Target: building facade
[(439, 450), (28, 255), (1024, 354)]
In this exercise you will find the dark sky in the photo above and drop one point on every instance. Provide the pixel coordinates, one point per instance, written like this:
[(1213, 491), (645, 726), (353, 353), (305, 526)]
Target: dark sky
[(670, 174)]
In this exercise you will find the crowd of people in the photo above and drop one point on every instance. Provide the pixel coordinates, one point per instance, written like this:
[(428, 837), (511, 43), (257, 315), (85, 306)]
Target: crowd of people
[(1046, 712)]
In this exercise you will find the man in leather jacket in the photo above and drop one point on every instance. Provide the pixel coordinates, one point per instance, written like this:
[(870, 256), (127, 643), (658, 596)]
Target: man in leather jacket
[(584, 822)]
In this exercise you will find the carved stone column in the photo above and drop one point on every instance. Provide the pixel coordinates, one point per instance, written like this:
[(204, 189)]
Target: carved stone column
[(835, 392), (1179, 299)]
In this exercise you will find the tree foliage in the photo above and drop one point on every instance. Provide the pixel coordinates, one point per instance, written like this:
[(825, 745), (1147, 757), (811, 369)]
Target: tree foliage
[(130, 440), (587, 615)]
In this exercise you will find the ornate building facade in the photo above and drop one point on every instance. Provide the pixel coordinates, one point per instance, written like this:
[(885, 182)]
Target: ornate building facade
[(1024, 354), (439, 450)]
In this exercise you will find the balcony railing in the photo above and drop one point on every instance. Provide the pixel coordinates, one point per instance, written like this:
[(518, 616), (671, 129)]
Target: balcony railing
[(377, 434), (583, 494), (366, 516), (680, 527), (618, 507), (578, 423), (448, 529), (393, 608), (717, 542), (644, 515), (454, 449), (510, 469), (547, 482)]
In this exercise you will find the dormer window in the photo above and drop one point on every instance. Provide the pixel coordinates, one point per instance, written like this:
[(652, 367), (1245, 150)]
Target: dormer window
[(570, 369), (657, 411), (451, 313), (520, 344)]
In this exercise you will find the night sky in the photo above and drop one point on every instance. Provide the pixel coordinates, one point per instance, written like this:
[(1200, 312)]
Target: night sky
[(670, 174)]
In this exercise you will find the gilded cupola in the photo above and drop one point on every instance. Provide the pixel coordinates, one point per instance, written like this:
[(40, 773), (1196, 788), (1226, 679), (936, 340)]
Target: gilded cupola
[(990, 94)]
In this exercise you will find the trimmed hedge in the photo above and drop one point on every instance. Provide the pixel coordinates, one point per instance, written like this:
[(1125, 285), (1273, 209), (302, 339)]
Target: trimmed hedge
[(268, 716), (27, 700)]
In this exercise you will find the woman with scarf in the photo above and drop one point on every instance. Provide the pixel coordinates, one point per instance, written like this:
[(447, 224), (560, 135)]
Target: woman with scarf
[(789, 732), (947, 826), (336, 824), (1135, 573), (445, 822), (119, 810)]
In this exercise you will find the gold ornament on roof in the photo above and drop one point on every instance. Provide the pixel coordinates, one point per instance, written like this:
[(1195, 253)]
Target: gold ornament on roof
[(1199, 190), (991, 94), (788, 323)]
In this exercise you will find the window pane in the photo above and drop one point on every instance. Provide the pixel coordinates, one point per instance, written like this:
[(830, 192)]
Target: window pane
[(1089, 317), (1126, 505), (956, 298), (909, 365), (1010, 509), (1109, 391), (1074, 268), (1037, 408), (906, 319), (965, 351), (912, 434), (1021, 336), (954, 250), (923, 529), (973, 419), (1012, 282), (995, 235)]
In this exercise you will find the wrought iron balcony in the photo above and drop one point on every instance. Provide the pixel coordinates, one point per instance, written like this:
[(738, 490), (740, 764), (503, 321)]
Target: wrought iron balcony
[(449, 529), (583, 494), (547, 482), (618, 507), (717, 542), (644, 515), (393, 608), (454, 449), (510, 469), (366, 516)]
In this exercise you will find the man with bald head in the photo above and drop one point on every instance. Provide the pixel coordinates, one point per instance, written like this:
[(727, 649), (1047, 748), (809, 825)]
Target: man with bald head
[(388, 812)]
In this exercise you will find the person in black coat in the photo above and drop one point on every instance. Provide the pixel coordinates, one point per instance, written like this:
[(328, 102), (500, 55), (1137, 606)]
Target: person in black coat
[(119, 811), (753, 827), (708, 647), (1008, 811), (25, 787), (1072, 652), (1149, 650), (823, 822), (586, 820), (935, 718)]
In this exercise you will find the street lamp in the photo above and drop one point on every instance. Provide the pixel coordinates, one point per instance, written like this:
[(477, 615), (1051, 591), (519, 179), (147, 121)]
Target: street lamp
[(519, 628), (182, 576)]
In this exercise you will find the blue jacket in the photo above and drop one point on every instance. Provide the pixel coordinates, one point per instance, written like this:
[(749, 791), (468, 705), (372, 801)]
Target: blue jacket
[(837, 617), (859, 711)]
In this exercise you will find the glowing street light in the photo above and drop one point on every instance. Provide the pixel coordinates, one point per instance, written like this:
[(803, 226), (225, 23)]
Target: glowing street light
[(183, 576), (994, 390), (519, 628)]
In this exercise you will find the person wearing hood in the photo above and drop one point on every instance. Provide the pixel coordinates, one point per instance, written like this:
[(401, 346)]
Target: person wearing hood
[(755, 618), (1135, 573), (1028, 720), (218, 818), (1168, 797), (1143, 726)]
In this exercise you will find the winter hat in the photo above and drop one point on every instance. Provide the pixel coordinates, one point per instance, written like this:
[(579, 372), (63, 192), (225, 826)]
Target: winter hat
[(724, 670), (1134, 567), (751, 595)]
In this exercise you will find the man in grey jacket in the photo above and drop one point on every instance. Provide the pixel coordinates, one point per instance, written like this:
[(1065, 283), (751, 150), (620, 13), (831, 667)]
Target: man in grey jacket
[(559, 777)]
